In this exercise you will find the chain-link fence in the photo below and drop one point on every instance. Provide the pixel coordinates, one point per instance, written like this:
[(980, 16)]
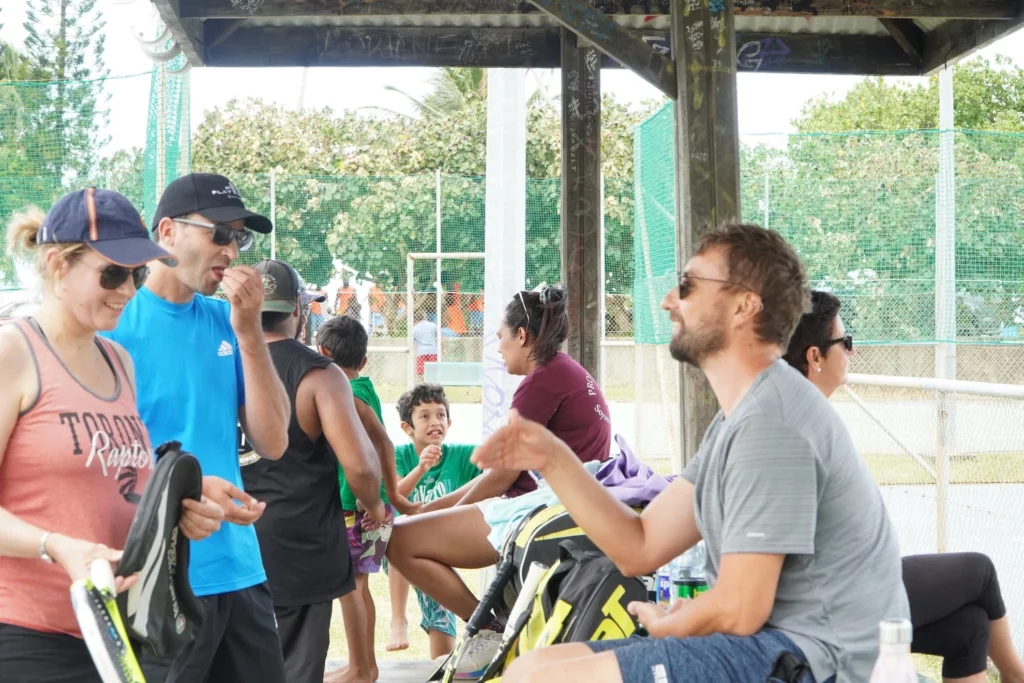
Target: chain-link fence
[(926, 258), (950, 466)]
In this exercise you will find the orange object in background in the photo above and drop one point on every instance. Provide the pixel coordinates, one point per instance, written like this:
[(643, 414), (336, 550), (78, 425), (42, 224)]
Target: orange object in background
[(453, 314), (376, 299), (341, 301)]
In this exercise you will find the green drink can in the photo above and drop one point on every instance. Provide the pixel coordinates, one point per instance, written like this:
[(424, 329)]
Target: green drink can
[(688, 588)]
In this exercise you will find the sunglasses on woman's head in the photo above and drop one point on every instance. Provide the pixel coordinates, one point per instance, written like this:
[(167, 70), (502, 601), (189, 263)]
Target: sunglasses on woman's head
[(525, 311), (113, 276), (223, 234), (846, 341)]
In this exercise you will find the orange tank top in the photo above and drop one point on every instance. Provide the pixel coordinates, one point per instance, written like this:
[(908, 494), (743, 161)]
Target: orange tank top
[(76, 464)]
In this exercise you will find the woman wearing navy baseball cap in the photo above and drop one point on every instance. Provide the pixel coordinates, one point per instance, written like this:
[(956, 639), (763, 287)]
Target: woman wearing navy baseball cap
[(74, 454)]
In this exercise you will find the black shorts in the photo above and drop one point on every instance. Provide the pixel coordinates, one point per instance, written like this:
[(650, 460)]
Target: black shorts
[(28, 656), (305, 637), (238, 643)]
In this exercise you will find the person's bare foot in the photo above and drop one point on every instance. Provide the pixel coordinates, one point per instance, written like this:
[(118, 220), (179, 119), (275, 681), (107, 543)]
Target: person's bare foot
[(399, 637), (347, 675)]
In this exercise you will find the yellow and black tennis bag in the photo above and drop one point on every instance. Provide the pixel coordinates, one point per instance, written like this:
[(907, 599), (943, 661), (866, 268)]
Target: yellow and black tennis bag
[(581, 597)]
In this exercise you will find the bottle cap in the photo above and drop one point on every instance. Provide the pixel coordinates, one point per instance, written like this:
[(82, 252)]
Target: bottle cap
[(896, 632)]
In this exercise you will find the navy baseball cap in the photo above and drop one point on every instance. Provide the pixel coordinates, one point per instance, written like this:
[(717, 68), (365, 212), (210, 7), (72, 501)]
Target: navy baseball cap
[(211, 195), (283, 287), (105, 221)]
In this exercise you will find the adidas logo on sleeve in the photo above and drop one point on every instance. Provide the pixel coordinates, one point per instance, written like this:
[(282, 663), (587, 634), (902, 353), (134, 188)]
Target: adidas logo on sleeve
[(225, 349)]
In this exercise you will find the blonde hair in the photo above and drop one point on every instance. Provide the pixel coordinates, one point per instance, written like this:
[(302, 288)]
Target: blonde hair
[(23, 235)]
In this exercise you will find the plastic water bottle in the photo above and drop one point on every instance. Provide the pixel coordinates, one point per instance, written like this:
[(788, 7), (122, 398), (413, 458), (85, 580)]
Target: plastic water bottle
[(894, 664), (664, 585), (688, 579)]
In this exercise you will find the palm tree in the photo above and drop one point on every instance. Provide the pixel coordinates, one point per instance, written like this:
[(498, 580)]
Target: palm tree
[(456, 89)]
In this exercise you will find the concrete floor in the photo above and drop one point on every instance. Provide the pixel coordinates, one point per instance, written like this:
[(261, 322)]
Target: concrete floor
[(396, 672)]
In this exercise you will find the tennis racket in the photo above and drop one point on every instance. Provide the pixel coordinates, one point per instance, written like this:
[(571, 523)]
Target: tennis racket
[(517, 618), (479, 617), (93, 600)]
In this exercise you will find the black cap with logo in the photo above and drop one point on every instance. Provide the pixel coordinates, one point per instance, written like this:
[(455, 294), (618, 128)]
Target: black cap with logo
[(210, 195), (283, 287)]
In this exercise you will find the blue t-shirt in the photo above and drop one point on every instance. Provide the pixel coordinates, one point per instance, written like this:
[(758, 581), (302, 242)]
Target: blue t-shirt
[(189, 375)]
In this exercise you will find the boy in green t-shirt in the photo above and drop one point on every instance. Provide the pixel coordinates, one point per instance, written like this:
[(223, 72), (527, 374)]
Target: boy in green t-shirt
[(344, 340), (430, 469)]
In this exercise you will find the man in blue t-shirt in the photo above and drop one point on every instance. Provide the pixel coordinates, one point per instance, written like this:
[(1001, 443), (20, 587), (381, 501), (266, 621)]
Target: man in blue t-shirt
[(203, 368)]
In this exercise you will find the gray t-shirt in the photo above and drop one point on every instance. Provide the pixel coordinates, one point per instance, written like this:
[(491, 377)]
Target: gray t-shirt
[(781, 476)]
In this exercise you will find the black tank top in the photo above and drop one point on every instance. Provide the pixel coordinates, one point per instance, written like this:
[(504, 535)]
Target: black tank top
[(302, 531)]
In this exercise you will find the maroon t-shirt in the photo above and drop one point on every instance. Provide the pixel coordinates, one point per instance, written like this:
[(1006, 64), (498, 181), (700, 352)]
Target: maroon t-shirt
[(563, 397)]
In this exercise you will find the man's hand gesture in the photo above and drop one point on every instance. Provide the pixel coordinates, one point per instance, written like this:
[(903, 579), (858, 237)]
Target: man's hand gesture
[(520, 445)]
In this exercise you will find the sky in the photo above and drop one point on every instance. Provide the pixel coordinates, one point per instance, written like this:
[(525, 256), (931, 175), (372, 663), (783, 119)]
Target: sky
[(767, 102)]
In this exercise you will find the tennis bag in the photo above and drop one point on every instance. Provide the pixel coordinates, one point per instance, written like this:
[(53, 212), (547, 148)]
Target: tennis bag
[(537, 538), (581, 597)]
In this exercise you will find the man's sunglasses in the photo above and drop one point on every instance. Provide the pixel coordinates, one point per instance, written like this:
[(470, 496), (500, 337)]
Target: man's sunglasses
[(223, 234), (846, 341), (112, 277), (686, 284)]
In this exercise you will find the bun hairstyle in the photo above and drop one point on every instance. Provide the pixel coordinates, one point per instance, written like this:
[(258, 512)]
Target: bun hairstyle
[(543, 315), (22, 237)]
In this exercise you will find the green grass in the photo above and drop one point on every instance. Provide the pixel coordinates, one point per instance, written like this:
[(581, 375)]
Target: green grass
[(988, 468)]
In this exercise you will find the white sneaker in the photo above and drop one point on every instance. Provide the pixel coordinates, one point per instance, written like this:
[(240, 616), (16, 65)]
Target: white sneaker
[(479, 652)]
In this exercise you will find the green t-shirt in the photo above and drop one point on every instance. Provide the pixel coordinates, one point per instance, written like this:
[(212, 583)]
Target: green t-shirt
[(362, 390), (453, 471)]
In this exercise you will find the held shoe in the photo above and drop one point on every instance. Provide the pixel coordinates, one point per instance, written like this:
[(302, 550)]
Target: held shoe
[(160, 610)]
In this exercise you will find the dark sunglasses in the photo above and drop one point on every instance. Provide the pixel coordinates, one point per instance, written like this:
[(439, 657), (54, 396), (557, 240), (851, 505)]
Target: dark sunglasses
[(112, 277), (846, 341), (223, 234), (686, 284)]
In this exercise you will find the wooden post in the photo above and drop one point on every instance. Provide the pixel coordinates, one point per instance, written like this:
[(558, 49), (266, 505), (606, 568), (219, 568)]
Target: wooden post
[(707, 164), (581, 199)]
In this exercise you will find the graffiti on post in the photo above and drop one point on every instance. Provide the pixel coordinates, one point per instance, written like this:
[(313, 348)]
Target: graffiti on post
[(766, 52)]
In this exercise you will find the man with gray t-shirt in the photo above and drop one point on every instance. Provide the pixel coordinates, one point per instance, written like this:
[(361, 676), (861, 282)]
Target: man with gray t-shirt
[(803, 562)]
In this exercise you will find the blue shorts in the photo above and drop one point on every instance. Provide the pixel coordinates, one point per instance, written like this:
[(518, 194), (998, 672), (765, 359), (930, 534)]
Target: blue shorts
[(708, 659)]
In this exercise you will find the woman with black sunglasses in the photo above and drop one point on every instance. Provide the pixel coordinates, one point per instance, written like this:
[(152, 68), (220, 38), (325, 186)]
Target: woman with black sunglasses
[(74, 454), (956, 606)]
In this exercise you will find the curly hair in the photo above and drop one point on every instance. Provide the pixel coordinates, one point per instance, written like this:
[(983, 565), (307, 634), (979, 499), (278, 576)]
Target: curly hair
[(420, 394)]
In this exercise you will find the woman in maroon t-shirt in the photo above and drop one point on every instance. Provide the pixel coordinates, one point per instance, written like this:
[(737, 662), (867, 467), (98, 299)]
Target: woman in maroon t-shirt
[(557, 392)]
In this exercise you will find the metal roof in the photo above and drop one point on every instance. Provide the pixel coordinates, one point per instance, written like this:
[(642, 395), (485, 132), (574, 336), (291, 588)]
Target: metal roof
[(899, 37)]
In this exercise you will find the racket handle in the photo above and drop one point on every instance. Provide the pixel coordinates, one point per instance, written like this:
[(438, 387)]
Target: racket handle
[(102, 575), (526, 595), (483, 610)]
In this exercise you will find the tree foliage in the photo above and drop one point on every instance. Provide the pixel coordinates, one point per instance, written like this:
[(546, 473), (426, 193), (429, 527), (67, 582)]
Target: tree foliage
[(987, 96), (861, 208), (372, 197), (64, 45)]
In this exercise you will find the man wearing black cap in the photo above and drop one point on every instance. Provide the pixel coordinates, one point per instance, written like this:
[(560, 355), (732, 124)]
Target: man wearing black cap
[(204, 368), (302, 534)]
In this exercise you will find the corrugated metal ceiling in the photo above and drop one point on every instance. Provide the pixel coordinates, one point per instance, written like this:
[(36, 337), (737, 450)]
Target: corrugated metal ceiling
[(748, 23)]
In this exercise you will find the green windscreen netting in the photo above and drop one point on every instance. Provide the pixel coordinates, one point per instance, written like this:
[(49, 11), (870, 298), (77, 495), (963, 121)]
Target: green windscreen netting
[(861, 210), (46, 149)]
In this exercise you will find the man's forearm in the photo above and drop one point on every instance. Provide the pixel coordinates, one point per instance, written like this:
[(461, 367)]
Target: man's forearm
[(267, 408), (614, 528), (702, 616)]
